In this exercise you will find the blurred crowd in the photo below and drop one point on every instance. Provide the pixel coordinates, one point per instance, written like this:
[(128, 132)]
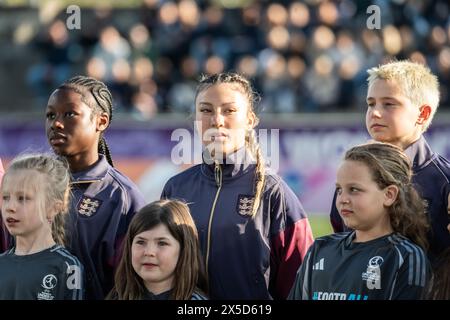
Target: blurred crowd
[(302, 56)]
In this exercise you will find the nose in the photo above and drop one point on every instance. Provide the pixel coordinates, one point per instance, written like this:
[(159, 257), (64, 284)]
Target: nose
[(57, 123), (342, 199), (8, 206), (149, 250), (217, 120), (375, 112)]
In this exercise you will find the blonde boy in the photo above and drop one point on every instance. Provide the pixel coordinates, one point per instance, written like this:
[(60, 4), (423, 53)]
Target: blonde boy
[(402, 99)]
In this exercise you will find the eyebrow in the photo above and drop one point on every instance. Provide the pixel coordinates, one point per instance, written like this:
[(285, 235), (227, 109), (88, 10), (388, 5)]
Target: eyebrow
[(160, 238), (372, 98), (17, 193), (351, 183), (223, 104), (50, 106)]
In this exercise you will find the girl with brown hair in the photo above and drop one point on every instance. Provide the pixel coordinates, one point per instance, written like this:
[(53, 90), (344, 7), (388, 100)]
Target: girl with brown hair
[(383, 257), (161, 259)]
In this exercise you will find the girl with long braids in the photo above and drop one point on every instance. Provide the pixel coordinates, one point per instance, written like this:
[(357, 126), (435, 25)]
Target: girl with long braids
[(383, 257), (104, 200), (253, 230)]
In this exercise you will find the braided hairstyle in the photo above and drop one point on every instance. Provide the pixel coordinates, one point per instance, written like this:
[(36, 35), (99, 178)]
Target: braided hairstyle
[(103, 98), (50, 183), (390, 166), (244, 86)]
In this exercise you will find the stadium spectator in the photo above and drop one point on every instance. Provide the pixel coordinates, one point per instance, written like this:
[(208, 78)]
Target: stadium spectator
[(330, 37)]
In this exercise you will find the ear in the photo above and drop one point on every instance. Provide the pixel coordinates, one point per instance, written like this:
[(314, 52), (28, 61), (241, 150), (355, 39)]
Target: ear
[(425, 113), (57, 207), (102, 121), (448, 205), (390, 195), (251, 120)]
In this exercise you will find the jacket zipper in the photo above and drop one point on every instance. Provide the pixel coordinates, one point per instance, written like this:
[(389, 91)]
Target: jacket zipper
[(84, 181), (218, 178)]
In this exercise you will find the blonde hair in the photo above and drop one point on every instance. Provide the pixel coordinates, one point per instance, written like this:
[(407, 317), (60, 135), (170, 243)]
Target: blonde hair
[(51, 184), (416, 81), (243, 85)]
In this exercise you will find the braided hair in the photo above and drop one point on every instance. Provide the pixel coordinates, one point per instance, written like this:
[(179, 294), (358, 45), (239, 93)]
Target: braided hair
[(243, 85), (103, 98)]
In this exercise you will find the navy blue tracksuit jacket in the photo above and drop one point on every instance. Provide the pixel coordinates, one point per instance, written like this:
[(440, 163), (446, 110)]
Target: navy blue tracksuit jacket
[(103, 203), (246, 258)]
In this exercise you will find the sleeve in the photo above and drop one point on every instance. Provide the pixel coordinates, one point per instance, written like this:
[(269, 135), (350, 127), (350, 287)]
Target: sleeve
[(166, 192), (130, 207), (335, 218), (300, 289), (290, 240), (448, 206), (74, 280), (413, 277)]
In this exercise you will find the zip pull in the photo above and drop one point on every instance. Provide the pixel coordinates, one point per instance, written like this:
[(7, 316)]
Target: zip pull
[(218, 174)]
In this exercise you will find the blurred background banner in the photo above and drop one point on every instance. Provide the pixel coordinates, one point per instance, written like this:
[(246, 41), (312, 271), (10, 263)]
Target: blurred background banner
[(310, 151)]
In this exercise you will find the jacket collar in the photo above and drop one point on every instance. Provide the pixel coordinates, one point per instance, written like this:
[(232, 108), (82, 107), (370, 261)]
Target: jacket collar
[(95, 172), (420, 153), (162, 296), (233, 166)]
